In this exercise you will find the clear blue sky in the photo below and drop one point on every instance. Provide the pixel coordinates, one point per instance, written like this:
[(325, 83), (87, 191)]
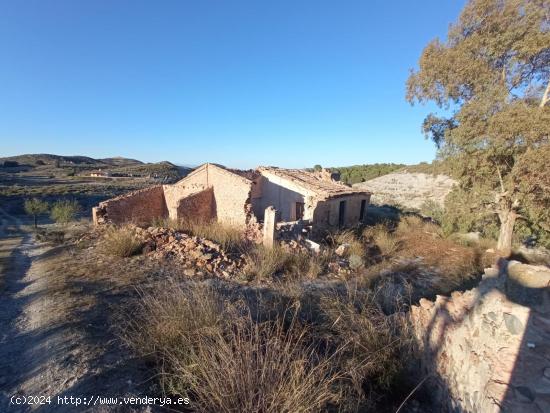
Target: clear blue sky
[(242, 83)]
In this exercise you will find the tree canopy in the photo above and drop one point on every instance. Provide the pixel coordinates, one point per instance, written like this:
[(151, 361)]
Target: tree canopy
[(491, 81)]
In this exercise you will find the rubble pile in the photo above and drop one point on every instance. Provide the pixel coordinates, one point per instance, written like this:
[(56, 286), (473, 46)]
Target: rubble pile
[(198, 255)]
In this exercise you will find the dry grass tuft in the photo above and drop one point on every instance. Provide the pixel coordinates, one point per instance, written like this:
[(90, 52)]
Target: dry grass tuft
[(387, 243), (376, 343), (214, 352), (264, 263), (121, 242)]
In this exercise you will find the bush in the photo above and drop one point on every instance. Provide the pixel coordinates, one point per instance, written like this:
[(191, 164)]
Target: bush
[(263, 263), (214, 352), (375, 344), (432, 209), (64, 211), (386, 243), (121, 242)]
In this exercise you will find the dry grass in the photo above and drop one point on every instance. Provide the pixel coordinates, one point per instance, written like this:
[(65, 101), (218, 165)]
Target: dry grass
[(376, 344), (349, 237), (121, 242), (264, 263), (226, 357), (415, 260), (386, 242), (214, 352)]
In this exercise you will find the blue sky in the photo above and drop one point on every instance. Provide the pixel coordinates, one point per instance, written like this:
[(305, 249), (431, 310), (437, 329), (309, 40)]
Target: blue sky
[(242, 83)]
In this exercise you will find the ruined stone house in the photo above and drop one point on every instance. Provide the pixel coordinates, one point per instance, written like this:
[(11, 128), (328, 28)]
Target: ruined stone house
[(235, 197)]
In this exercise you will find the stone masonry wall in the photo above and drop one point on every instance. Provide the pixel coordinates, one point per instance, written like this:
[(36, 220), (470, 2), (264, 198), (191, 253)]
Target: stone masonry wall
[(139, 207), (231, 197), (193, 183), (231, 194), (197, 207), (488, 349)]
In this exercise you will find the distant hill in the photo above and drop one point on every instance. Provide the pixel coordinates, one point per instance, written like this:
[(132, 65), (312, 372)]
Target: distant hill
[(48, 164), (120, 161), (48, 159)]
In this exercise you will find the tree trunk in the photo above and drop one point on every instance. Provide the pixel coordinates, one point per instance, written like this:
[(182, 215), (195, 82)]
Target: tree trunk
[(507, 221)]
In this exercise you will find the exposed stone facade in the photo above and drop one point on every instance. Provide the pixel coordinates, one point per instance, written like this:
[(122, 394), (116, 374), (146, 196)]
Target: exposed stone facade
[(137, 207), (197, 206), (240, 198), (488, 349)]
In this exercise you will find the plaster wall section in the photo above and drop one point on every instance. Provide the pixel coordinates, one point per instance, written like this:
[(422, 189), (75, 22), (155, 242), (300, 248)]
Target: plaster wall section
[(283, 195), (327, 211)]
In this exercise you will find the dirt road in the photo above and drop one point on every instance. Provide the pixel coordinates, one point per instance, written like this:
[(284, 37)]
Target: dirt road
[(48, 348)]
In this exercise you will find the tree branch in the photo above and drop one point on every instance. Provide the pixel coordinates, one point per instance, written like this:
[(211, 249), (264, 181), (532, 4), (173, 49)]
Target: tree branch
[(545, 96), (500, 180)]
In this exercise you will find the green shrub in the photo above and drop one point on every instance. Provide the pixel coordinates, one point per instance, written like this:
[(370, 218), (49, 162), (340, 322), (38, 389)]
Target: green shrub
[(64, 211), (432, 209)]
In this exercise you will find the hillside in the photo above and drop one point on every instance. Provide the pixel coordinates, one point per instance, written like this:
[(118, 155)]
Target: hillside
[(361, 173), (409, 189), (60, 166)]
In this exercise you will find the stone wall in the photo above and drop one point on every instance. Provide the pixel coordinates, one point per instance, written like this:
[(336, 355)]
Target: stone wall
[(488, 349), (138, 207), (231, 193), (197, 207), (231, 197)]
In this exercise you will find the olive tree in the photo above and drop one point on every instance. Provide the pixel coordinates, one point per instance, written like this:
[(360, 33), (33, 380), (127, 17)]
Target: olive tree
[(35, 207), (64, 211)]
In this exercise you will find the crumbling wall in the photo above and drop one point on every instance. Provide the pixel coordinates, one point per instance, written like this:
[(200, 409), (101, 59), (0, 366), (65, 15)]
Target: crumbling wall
[(231, 196), (197, 206), (193, 183), (283, 194), (230, 202), (488, 349), (138, 207)]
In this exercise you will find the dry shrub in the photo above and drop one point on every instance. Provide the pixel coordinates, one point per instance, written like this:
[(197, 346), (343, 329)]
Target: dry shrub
[(121, 242), (373, 345), (349, 237), (451, 260), (214, 352), (386, 242), (263, 263)]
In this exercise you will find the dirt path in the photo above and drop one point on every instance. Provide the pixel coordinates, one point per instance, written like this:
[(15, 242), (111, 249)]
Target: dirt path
[(32, 360), (55, 335)]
